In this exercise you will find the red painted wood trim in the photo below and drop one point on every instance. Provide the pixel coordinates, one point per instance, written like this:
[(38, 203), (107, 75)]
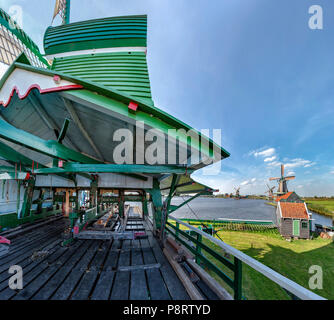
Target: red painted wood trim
[(133, 106), (41, 91)]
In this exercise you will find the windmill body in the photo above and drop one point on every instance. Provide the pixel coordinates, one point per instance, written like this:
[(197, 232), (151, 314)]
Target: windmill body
[(237, 192), (270, 192), (282, 182)]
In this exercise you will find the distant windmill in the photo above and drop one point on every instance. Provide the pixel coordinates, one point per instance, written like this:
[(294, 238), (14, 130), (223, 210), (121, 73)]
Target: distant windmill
[(282, 185), (270, 192), (237, 192)]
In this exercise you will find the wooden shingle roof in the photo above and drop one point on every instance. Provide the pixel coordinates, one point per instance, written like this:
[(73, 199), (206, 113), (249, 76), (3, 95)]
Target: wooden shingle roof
[(293, 210)]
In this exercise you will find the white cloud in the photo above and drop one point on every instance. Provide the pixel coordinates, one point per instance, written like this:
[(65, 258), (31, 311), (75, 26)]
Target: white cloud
[(291, 173), (296, 163), (274, 164), (270, 159), (264, 153), (248, 182)]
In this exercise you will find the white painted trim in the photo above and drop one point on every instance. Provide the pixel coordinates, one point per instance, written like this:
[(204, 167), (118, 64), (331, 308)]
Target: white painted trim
[(309, 215), (280, 209), (282, 281), (95, 51), (23, 81)]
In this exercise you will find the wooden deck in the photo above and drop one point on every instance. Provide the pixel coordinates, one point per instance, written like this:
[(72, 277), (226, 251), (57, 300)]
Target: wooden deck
[(89, 269)]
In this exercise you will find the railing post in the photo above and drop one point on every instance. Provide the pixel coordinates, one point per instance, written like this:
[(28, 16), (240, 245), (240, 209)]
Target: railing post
[(237, 279), (198, 248)]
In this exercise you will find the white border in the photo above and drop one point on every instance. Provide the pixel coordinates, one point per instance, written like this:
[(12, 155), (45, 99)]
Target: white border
[(95, 51)]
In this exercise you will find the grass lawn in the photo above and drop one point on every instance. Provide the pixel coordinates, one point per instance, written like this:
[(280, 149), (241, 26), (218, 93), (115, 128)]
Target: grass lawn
[(291, 259), (325, 207)]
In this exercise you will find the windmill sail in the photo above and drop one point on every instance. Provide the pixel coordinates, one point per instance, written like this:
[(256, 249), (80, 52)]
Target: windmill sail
[(62, 9), (14, 41), (282, 181)]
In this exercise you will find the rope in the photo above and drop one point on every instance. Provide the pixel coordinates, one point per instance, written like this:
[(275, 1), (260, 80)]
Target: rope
[(197, 217)]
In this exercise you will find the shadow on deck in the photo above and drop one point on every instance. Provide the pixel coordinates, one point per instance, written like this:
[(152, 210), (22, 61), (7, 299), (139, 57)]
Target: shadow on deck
[(88, 269)]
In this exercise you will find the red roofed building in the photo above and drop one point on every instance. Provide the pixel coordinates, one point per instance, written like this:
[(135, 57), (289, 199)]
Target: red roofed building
[(289, 197), (293, 219)]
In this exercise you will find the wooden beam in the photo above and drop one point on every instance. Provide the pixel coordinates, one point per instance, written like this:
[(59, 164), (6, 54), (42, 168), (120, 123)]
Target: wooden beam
[(189, 286), (47, 119), (63, 131), (70, 108), (211, 282), (50, 148)]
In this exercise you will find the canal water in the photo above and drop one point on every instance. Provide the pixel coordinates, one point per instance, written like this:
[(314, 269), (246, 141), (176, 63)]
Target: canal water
[(246, 209)]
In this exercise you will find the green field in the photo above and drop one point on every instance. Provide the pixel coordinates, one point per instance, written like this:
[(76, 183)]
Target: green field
[(291, 259), (324, 207)]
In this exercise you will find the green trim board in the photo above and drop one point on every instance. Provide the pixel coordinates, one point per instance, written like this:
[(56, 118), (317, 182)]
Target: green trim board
[(127, 31), (112, 168), (67, 12), (21, 163)]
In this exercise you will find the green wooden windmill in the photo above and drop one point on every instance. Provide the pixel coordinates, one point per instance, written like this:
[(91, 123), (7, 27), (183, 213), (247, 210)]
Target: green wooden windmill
[(61, 110)]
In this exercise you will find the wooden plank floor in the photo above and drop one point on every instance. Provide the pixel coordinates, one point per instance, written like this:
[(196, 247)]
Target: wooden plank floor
[(89, 269)]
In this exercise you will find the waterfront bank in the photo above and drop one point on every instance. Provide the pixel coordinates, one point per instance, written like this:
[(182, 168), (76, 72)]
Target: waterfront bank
[(246, 209)]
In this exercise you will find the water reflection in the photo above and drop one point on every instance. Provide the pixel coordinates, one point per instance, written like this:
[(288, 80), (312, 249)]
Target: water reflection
[(215, 208)]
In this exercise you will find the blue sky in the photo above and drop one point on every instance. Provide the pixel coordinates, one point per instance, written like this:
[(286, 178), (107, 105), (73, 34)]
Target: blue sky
[(252, 68)]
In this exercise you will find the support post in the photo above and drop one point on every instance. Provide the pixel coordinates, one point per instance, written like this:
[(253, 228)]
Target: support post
[(28, 195), (93, 193), (67, 203), (157, 204), (177, 229), (121, 204), (198, 248), (237, 279), (144, 204), (77, 208), (18, 200), (98, 201), (40, 201), (172, 190)]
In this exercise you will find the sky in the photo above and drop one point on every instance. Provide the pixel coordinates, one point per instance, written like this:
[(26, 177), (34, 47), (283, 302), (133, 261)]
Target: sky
[(252, 68)]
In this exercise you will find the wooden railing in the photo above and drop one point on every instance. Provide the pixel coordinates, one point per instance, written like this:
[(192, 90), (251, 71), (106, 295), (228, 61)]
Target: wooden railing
[(11, 220), (193, 242)]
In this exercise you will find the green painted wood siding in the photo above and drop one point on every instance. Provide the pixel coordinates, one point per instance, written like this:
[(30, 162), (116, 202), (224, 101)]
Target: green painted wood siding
[(128, 31), (123, 71), (296, 228)]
